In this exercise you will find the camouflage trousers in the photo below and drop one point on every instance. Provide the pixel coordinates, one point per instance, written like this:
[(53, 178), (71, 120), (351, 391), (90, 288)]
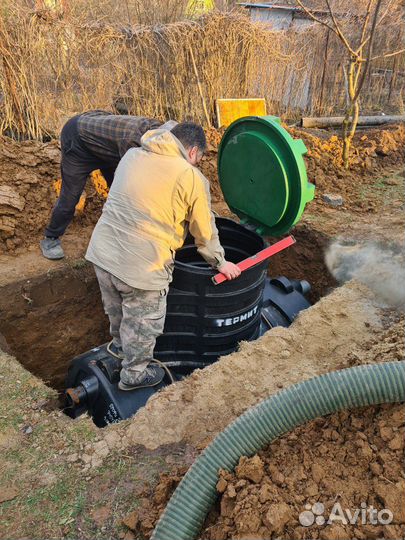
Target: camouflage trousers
[(136, 319)]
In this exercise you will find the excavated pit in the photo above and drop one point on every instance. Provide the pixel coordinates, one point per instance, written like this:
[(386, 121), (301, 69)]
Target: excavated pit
[(54, 316)]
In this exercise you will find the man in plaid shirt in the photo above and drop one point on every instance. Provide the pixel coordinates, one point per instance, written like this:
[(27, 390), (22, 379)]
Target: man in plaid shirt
[(90, 141)]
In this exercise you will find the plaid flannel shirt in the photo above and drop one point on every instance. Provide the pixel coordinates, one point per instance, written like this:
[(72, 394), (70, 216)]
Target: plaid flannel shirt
[(108, 136)]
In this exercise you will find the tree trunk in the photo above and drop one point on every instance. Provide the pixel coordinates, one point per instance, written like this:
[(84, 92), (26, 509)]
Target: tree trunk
[(349, 129), (352, 111)]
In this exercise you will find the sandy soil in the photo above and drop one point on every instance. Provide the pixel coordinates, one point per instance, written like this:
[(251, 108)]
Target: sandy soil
[(319, 340), (54, 477), (349, 457)]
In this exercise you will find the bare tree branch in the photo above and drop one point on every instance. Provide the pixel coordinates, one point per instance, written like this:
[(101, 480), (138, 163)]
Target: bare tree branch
[(370, 50), (316, 19), (387, 9), (335, 27), (388, 54), (365, 23), (338, 29)]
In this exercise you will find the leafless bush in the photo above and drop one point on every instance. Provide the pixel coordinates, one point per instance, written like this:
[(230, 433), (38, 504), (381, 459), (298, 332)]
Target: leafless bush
[(56, 64), (55, 68)]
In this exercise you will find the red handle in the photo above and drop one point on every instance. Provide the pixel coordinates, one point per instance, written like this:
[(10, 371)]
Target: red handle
[(258, 258)]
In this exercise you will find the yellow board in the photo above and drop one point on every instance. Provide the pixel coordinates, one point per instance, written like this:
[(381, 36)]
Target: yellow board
[(198, 7), (229, 110)]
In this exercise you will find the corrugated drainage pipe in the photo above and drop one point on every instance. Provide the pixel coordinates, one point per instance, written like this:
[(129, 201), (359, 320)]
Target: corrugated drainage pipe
[(355, 387)]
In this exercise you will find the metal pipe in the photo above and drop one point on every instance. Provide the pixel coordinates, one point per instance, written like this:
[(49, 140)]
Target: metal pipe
[(337, 121)]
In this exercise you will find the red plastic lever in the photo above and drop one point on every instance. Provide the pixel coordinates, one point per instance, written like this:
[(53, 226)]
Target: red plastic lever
[(259, 257)]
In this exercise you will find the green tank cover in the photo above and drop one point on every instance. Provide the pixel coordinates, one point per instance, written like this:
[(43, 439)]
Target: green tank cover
[(262, 174)]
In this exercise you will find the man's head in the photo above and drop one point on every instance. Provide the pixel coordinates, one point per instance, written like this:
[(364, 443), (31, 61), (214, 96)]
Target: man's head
[(193, 139)]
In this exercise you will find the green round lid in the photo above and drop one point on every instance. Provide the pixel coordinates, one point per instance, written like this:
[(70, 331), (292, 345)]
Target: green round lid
[(262, 174)]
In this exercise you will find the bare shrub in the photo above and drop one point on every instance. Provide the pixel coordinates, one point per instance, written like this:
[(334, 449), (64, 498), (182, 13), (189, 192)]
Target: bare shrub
[(56, 63)]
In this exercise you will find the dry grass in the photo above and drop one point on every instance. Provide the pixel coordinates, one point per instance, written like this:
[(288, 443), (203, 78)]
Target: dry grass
[(57, 63)]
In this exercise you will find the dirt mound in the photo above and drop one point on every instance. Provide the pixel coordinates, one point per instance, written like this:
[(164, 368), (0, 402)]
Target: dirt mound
[(29, 173), (374, 151), (319, 340), (353, 458), (29, 183)]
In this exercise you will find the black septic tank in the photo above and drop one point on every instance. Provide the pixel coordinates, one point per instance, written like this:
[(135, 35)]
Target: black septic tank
[(263, 179), (205, 321)]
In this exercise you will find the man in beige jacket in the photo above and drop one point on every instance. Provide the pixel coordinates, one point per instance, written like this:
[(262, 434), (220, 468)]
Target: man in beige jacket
[(157, 196)]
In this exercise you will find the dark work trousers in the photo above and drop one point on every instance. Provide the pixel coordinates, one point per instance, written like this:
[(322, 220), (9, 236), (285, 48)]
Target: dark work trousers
[(76, 164)]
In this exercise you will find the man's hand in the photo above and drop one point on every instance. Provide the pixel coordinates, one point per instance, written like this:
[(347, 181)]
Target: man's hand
[(230, 270)]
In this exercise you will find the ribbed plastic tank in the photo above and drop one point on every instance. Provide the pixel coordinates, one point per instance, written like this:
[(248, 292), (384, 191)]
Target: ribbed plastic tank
[(205, 321)]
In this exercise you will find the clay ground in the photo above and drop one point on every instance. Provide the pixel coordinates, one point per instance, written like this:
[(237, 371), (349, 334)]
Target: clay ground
[(63, 478)]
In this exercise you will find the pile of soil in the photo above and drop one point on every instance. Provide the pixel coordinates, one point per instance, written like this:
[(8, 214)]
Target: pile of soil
[(375, 151), (350, 458), (320, 340), (29, 173)]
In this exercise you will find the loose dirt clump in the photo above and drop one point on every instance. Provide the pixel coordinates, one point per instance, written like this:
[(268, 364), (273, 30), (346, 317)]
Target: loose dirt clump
[(352, 458), (144, 518)]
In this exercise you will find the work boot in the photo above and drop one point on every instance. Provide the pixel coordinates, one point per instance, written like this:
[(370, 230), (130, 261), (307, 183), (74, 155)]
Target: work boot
[(150, 376), (51, 248), (115, 351)]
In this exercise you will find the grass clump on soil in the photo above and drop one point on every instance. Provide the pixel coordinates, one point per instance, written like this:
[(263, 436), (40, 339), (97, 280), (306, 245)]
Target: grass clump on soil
[(53, 480)]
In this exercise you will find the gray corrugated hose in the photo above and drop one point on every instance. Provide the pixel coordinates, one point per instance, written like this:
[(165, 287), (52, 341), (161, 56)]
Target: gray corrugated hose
[(355, 387)]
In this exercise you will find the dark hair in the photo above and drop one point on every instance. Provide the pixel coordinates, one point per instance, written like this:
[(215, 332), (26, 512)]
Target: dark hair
[(190, 134)]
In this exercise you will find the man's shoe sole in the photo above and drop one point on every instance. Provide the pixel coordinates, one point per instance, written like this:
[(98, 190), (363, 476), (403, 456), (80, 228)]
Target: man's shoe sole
[(53, 258), (128, 388)]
